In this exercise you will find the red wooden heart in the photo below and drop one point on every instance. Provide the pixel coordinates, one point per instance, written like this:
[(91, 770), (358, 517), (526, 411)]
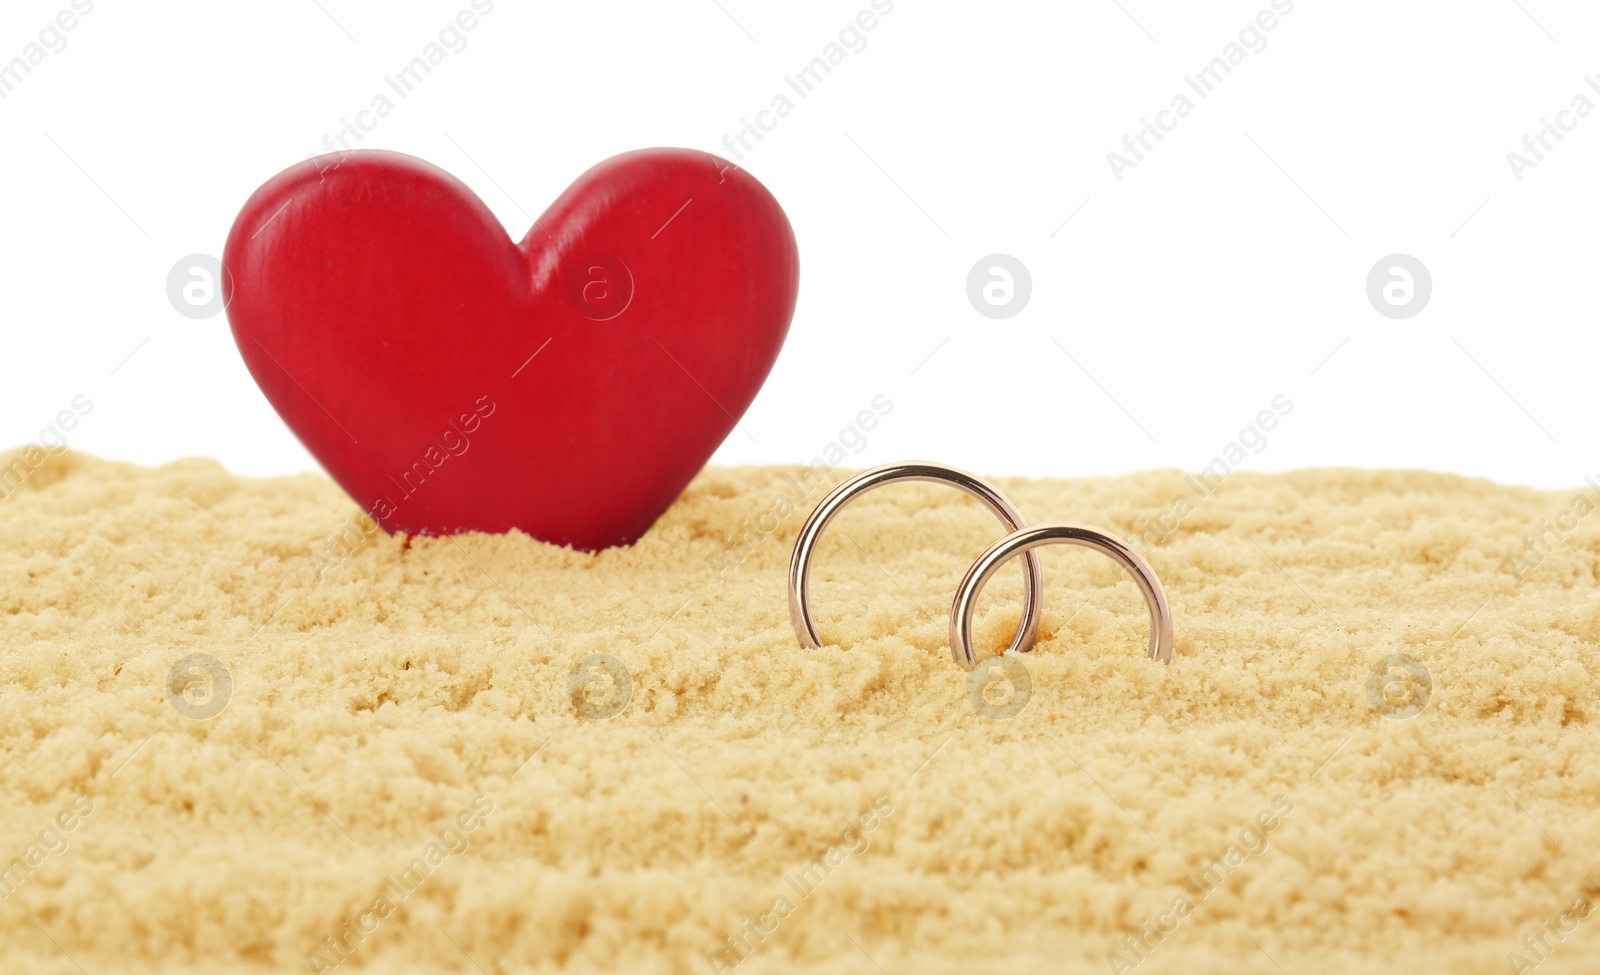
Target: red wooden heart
[(451, 380)]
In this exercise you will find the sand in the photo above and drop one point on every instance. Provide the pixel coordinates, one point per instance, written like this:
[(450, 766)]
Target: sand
[(402, 781)]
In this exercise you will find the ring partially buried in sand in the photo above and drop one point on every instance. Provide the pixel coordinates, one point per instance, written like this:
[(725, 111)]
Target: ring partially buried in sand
[(1022, 541), (805, 628)]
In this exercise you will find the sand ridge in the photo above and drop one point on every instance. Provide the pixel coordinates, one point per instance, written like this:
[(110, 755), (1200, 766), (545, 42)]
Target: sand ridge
[(381, 685)]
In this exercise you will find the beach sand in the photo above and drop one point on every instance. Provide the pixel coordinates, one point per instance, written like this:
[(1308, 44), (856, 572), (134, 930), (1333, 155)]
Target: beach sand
[(402, 780)]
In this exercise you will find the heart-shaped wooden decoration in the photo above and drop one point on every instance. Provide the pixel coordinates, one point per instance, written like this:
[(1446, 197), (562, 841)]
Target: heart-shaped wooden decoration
[(452, 380)]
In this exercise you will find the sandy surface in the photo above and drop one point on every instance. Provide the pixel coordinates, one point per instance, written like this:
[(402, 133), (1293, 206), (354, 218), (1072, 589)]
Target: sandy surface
[(400, 750)]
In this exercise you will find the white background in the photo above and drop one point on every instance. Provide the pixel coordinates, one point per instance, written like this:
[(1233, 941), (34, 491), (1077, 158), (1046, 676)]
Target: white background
[(1171, 307)]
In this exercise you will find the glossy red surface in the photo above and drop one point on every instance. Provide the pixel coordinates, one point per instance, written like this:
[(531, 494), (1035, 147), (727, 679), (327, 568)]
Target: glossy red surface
[(452, 380)]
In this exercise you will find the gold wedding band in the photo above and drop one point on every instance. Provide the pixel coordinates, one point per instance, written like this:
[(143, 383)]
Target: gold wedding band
[(805, 628), (1023, 542)]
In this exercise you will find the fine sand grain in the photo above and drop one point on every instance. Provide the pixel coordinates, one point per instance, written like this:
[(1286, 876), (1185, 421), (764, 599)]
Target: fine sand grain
[(386, 693)]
